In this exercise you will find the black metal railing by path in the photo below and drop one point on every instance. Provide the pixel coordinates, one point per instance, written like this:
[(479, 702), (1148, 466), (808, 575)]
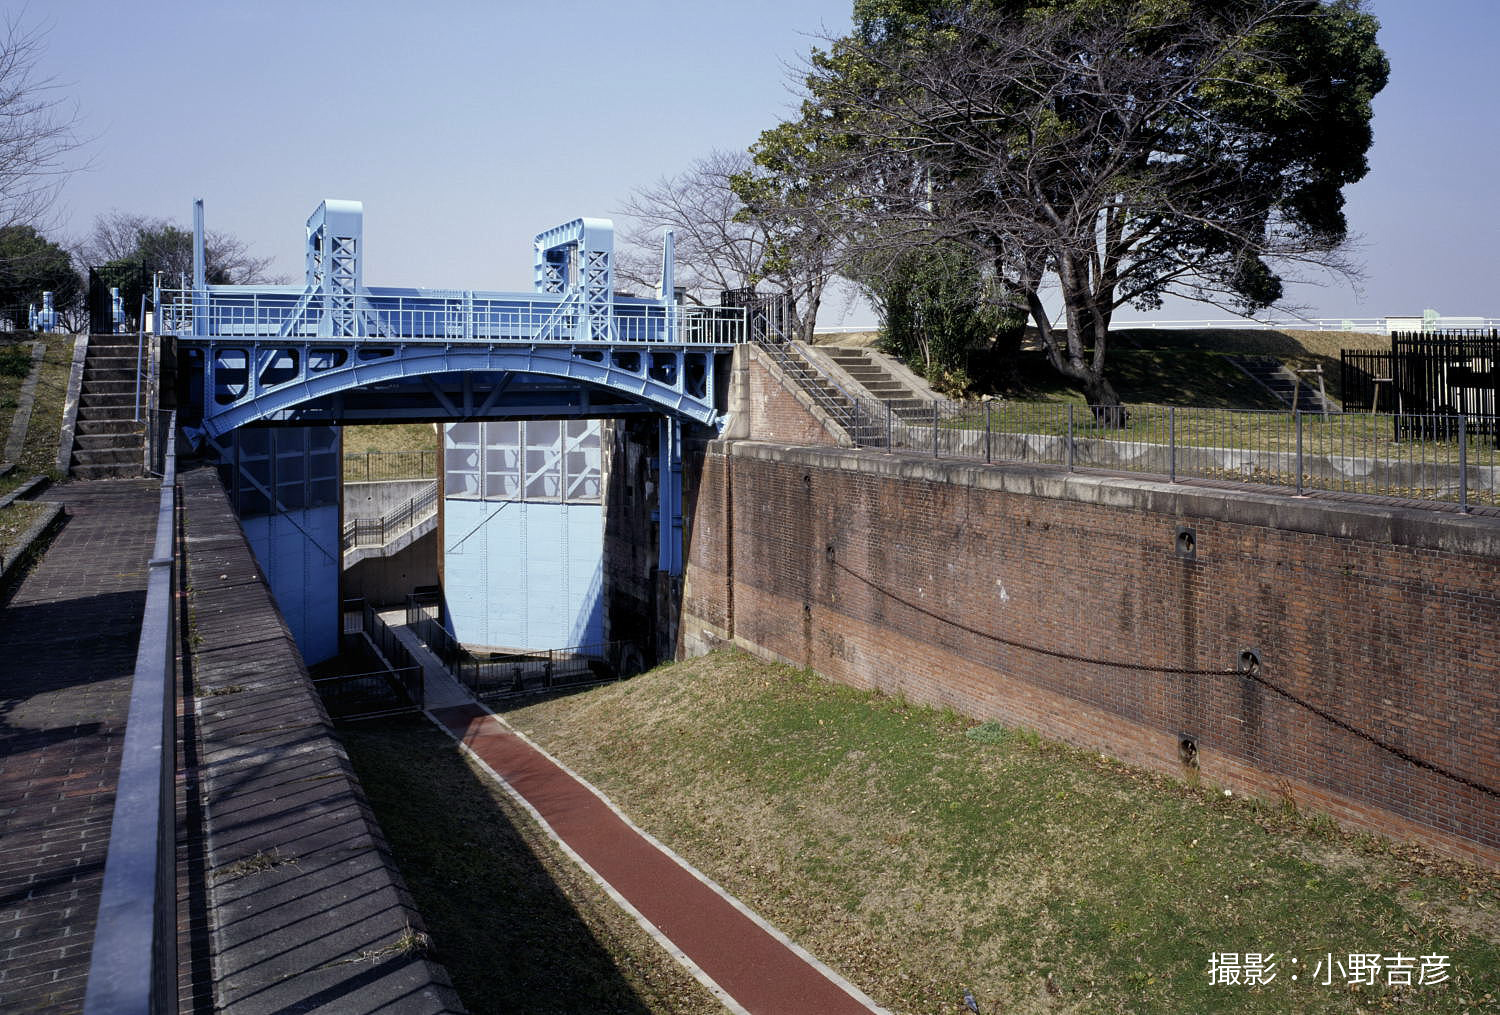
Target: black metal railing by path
[(499, 674), (384, 466), (380, 531), (377, 694), (395, 687)]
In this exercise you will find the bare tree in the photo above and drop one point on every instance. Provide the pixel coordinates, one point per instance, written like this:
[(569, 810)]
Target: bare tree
[(715, 250), (37, 129), (157, 244), (721, 243)]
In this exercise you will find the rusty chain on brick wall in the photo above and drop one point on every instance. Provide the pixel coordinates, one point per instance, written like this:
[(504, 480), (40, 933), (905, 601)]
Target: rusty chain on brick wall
[(1327, 717)]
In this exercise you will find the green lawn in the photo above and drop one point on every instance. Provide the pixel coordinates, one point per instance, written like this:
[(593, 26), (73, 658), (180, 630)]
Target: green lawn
[(39, 457), (921, 855)]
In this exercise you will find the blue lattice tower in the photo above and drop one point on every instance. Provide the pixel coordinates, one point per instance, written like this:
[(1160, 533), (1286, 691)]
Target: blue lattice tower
[(334, 235), (576, 260)]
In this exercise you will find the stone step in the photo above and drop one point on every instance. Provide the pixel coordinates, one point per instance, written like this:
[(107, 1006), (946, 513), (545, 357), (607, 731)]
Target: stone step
[(106, 413), (102, 386), (93, 374), (106, 425), (92, 442), (108, 456), (105, 406), (80, 471)]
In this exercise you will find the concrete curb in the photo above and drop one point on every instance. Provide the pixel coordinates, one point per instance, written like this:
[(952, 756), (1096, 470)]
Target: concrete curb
[(34, 485), (16, 442), (33, 543), (70, 406)]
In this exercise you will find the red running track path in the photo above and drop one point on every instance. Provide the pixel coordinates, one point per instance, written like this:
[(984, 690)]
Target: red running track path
[(754, 970)]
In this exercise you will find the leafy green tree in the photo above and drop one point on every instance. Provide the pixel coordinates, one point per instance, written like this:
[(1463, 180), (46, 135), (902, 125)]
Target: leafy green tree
[(1115, 151), (937, 307), (30, 265)]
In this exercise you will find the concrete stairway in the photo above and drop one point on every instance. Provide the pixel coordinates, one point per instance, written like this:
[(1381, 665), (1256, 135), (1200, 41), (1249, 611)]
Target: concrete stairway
[(870, 371), (1287, 386), (108, 443)]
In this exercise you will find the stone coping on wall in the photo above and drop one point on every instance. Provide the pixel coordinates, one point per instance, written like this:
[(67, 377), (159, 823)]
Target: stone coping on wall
[(1319, 513)]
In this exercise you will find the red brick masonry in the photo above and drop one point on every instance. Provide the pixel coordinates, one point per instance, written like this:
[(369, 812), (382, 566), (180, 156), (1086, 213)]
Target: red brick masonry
[(1062, 603)]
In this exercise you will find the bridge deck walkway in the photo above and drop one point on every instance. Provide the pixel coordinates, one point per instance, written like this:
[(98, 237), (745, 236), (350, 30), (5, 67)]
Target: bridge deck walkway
[(67, 651)]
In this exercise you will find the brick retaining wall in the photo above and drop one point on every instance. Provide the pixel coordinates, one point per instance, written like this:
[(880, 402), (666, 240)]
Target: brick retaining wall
[(1062, 603)]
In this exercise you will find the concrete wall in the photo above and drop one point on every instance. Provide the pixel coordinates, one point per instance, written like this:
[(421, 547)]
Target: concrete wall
[(1063, 603), (375, 500), (387, 581), (298, 553)]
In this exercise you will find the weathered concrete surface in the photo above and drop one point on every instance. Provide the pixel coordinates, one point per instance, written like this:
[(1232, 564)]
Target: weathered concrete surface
[(308, 912), (373, 500), (67, 651)]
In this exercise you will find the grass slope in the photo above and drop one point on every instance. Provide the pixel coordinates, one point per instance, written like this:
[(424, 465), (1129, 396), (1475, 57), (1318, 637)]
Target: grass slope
[(920, 855)]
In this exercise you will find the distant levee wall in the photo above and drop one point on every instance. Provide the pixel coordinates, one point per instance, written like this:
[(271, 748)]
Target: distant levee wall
[(1115, 614)]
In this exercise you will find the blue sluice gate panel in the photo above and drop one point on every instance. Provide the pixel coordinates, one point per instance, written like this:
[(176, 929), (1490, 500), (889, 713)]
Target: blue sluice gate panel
[(524, 575)]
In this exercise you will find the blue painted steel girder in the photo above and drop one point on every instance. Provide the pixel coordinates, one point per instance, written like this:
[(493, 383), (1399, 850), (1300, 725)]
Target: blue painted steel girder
[(679, 381)]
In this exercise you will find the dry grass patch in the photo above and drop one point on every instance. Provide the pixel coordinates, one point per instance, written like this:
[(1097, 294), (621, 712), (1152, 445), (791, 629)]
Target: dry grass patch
[(15, 519), (920, 861), (390, 437)]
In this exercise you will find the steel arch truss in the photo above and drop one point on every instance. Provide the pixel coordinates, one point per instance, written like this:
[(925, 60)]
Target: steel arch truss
[(250, 380)]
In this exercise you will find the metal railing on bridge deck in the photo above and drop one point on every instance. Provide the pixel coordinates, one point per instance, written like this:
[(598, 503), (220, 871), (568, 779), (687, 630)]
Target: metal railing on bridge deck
[(440, 316)]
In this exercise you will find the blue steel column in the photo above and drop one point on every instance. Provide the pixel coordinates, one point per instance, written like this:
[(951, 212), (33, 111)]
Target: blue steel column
[(669, 496)]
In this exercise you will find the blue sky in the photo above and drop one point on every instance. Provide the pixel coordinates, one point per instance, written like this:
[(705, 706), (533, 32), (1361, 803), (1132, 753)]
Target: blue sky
[(468, 127)]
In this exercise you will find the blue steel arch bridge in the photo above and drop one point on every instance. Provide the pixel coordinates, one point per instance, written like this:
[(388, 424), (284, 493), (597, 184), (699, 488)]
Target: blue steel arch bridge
[(334, 351)]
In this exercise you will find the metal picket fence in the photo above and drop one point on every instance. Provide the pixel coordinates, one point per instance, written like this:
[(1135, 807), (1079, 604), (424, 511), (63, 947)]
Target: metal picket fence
[(1437, 457), (384, 466), (380, 531)]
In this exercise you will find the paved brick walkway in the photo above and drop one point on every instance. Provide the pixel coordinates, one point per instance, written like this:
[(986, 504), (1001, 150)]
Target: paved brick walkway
[(67, 648)]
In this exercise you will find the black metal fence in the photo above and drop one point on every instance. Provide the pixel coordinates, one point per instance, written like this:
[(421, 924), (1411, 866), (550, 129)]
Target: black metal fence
[(379, 531), (1455, 372), (381, 466), (133, 281), (502, 674), (1365, 381), (396, 688)]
